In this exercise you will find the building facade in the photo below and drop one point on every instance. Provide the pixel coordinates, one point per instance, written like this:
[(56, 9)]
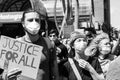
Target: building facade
[(100, 14)]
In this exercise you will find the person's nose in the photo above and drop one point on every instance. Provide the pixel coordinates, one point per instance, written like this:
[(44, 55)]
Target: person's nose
[(34, 20)]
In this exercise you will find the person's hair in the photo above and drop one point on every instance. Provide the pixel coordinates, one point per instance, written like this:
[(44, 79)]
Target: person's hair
[(75, 35), (92, 30), (101, 38), (28, 11), (53, 31)]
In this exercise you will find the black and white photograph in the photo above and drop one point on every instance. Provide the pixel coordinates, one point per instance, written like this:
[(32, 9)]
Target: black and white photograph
[(59, 40)]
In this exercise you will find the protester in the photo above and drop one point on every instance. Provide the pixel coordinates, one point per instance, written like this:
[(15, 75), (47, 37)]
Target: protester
[(61, 50), (101, 48), (79, 66), (31, 22)]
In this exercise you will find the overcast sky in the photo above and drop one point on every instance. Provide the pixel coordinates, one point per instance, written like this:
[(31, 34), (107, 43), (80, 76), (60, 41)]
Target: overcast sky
[(115, 13)]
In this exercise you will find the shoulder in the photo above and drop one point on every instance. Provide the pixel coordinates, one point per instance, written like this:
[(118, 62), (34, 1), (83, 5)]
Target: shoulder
[(49, 43)]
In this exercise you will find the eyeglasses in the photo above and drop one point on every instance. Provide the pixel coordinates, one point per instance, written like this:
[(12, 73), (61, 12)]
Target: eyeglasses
[(52, 35)]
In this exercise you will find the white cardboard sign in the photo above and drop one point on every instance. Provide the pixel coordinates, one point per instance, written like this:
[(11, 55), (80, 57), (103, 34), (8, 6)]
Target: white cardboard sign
[(22, 55)]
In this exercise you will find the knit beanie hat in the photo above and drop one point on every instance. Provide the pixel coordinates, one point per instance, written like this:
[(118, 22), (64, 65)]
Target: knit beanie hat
[(75, 35)]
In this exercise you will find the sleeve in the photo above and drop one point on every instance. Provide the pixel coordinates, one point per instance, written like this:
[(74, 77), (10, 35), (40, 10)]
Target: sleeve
[(64, 51)]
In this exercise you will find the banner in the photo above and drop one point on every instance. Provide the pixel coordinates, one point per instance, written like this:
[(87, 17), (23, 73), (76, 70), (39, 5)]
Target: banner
[(22, 55), (10, 17)]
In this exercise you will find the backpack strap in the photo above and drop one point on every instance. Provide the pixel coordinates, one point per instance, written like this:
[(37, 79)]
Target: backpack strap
[(75, 70)]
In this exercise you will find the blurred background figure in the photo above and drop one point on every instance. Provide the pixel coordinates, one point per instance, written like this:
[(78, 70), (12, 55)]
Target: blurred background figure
[(61, 50)]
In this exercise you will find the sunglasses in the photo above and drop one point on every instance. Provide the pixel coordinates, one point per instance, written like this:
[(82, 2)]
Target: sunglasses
[(52, 35)]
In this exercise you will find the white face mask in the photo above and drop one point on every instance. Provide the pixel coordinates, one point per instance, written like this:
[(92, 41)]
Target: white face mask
[(105, 50), (80, 46), (33, 28), (105, 46)]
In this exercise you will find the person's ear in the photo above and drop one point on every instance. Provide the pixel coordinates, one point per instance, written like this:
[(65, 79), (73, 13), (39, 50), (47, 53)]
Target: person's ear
[(23, 24)]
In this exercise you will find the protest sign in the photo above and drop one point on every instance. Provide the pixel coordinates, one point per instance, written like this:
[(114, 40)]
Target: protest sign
[(22, 55), (113, 72)]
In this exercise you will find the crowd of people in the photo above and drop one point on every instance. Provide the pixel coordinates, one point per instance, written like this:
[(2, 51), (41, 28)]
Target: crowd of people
[(84, 56)]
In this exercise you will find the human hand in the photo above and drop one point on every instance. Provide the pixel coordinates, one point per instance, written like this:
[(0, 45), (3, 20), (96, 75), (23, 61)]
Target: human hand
[(58, 50), (14, 73), (82, 63)]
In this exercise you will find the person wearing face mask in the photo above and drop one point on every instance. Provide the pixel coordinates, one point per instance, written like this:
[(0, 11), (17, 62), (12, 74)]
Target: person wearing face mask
[(79, 66), (101, 48), (48, 69)]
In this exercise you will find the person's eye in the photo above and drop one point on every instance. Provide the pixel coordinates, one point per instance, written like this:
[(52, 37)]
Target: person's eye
[(84, 40), (37, 20), (30, 20), (108, 44), (78, 40)]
